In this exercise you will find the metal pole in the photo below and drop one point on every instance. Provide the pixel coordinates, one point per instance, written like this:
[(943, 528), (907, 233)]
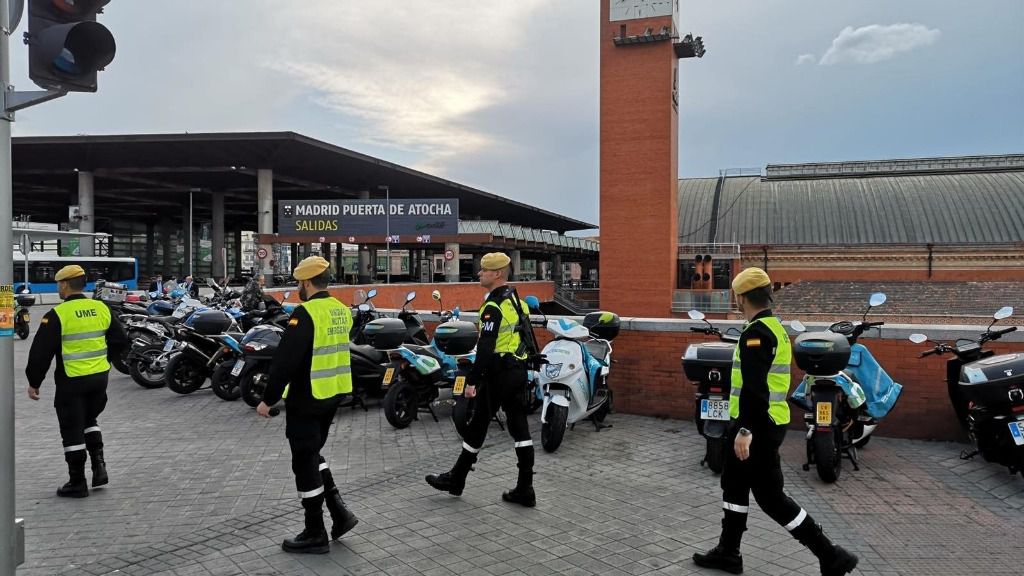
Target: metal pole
[(28, 248), (191, 230), (387, 195), (7, 532)]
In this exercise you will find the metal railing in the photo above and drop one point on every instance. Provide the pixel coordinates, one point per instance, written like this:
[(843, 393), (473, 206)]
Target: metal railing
[(719, 301)]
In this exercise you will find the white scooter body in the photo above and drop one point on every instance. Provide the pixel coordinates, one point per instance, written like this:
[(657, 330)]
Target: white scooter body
[(564, 378)]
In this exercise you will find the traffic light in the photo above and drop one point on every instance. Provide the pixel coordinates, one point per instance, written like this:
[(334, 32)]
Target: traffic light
[(66, 46)]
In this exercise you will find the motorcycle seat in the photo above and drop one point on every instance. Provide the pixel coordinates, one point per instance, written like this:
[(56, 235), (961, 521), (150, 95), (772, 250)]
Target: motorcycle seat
[(369, 352), (599, 350)]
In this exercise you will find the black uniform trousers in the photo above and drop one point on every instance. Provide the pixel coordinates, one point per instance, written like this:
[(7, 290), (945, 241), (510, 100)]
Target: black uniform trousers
[(760, 473), (307, 428), (505, 389), (79, 401)]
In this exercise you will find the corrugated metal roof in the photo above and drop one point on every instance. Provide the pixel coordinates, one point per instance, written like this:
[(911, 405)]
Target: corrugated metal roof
[(952, 208)]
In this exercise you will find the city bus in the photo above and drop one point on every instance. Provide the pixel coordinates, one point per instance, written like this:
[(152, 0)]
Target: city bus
[(42, 267)]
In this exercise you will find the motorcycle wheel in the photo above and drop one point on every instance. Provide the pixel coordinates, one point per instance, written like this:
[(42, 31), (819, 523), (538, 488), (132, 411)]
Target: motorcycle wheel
[(224, 385), (552, 431), (715, 456), (121, 363), (144, 370), (251, 388), (183, 375), (401, 404), (827, 457)]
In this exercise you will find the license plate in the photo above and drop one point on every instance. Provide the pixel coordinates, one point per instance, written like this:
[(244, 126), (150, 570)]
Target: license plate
[(460, 385), (237, 369), (27, 318), (714, 410), (168, 345), (824, 413), (389, 374), (1017, 431)]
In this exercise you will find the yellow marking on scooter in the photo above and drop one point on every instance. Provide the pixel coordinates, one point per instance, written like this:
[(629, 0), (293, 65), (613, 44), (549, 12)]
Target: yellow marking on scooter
[(388, 375), (825, 413), (460, 385)]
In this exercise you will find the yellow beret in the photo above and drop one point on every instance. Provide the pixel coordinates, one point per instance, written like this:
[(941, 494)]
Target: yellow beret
[(310, 268), (69, 272), (495, 261), (749, 279)]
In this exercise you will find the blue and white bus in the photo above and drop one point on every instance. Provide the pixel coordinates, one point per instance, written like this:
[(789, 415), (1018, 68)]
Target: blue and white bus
[(42, 268)]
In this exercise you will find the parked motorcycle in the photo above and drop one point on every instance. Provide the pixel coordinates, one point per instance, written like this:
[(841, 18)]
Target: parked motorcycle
[(203, 351), (844, 393), (574, 380), (709, 366), (987, 393)]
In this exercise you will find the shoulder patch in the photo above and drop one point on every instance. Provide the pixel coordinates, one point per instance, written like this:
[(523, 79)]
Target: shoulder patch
[(45, 320), (293, 322), (753, 342), (487, 316)]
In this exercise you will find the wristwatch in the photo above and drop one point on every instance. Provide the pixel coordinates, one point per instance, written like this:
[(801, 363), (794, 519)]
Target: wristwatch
[(744, 432)]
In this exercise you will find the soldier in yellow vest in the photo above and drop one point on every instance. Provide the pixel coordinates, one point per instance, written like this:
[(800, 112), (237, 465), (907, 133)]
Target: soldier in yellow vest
[(82, 335), (312, 372), (498, 379), (759, 413)]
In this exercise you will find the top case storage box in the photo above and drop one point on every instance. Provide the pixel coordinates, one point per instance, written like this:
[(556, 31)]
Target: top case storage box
[(110, 291), (211, 322), (991, 381), (455, 337), (385, 333), (603, 325), (700, 359), (26, 299), (821, 353)]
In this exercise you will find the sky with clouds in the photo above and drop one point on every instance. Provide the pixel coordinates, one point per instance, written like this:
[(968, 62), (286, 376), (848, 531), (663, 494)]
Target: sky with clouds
[(503, 95)]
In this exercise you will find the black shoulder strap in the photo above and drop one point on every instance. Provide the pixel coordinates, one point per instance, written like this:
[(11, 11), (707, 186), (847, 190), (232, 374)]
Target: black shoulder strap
[(524, 326)]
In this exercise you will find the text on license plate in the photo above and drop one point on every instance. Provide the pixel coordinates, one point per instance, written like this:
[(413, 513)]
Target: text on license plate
[(460, 385), (1017, 431), (168, 345), (237, 368), (714, 410), (389, 374), (824, 413)]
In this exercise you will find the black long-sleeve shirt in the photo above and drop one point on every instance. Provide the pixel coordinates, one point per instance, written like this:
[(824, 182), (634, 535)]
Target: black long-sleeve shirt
[(293, 361), (47, 344), (757, 351)]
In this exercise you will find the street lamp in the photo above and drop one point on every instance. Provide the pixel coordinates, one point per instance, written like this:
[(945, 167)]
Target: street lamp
[(387, 218)]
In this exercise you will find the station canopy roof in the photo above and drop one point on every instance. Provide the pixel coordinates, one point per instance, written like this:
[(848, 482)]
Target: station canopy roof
[(149, 176)]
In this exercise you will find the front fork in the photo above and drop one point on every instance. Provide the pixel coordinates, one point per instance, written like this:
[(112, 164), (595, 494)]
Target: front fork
[(549, 399)]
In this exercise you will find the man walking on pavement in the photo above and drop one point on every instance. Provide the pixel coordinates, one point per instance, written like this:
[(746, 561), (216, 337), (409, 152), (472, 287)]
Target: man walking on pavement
[(760, 382), (82, 334), (312, 371), (498, 379)]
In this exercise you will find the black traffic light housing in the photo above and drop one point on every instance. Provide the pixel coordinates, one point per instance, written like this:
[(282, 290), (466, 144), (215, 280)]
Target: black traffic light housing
[(67, 47)]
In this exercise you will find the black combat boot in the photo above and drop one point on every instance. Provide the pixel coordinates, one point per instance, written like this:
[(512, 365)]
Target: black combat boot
[(76, 486), (523, 493), (313, 539), (342, 518), (99, 467), (834, 560), (726, 555), (454, 481)]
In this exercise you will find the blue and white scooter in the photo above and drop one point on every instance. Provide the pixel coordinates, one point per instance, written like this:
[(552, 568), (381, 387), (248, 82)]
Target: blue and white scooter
[(574, 380)]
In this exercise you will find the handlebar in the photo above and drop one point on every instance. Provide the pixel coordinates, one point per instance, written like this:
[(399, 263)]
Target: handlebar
[(867, 325)]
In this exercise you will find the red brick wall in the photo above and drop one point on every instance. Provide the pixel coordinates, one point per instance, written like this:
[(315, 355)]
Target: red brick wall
[(639, 166), (895, 274)]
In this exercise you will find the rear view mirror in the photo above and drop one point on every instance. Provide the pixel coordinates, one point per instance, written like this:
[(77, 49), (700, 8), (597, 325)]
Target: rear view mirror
[(877, 299), (371, 293), (410, 297), (1004, 312), (797, 326), (695, 315), (533, 302), (364, 307), (436, 295), (918, 338)]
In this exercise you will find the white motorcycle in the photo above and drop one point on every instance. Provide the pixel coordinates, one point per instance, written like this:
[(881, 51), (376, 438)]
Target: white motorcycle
[(574, 380)]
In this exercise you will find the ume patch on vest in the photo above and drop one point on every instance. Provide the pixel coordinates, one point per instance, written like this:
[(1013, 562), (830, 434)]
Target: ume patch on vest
[(85, 313)]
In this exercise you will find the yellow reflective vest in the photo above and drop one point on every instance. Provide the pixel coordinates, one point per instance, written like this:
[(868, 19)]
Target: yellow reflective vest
[(509, 339), (331, 370), (778, 374), (83, 336)]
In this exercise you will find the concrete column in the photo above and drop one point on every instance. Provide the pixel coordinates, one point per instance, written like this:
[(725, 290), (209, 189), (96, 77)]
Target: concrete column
[(295, 255), (238, 252), (517, 261), (365, 272), (325, 251), (339, 262), (186, 239), (265, 218), (476, 263), (217, 241), (165, 240), (451, 267), (150, 249), (556, 269), (87, 209), (373, 265)]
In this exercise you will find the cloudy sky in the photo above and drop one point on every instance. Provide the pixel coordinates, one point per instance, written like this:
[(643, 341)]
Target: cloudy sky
[(503, 94)]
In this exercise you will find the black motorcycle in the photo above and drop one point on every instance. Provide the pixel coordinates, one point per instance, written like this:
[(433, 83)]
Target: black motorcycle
[(202, 352), (709, 366), (987, 393)]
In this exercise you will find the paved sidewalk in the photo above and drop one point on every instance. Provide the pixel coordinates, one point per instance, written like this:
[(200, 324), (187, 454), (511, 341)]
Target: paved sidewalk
[(200, 486)]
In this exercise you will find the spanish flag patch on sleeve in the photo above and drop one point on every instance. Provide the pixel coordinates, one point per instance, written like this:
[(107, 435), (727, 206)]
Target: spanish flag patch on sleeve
[(293, 322), (753, 342)]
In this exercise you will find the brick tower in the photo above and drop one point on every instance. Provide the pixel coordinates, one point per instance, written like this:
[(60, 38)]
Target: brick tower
[(640, 49)]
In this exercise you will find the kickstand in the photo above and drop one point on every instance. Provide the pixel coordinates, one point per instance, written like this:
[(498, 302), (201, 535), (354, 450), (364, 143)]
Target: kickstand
[(965, 455)]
